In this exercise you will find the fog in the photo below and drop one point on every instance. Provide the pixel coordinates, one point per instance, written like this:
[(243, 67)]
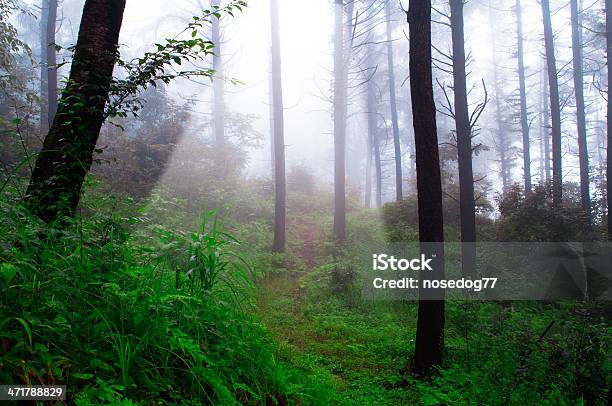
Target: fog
[(307, 74)]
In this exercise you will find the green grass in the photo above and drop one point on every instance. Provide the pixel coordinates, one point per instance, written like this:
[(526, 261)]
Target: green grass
[(105, 306), (126, 306), (494, 353)]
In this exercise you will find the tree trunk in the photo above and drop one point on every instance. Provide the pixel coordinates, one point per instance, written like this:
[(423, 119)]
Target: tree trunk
[(368, 180), (44, 70), (67, 151), (555, 108), (219, 84), (372, 107), (502, 137), (464, 142), (609, 122), (546, 126), (523, 97), (378, 167), (279, 136), (393, 104), (430, 323), (340, 89), (51, 62), (583, 153)]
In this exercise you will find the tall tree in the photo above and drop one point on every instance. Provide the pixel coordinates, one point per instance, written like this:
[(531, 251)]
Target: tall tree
[(340, 90), (544, 128), (44, 71), (373, 136), (218, 85), (393, 105), (555, 108), (279, 136), (609, 122), (583, 153), (48, 64), (67, 151), (51, 61), (430, 322), (368, 174), (502, 142), (523, 97), (464, 141)]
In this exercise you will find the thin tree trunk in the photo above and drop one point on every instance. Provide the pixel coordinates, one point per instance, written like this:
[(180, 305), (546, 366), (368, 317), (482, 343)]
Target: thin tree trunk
[(464, 142), (340, 89), (218, 85), (502, 137), (67, 151), (44, 70), (583, 153), (393, 105), (609, 121), (546, 126), (279, 137), (430, 323), (555, 108), (368, 180), (51, 61), (523, 97), (378, 167), (373, 125)]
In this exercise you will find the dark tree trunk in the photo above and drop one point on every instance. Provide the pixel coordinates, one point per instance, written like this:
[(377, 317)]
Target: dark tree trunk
[(555, 108), (609, 121), (523, 97), (279, 136), (464, 142), (430, 323), (393, 104), (219, 84), (51, 62), (340, 90), (67, 151), (583, 153)]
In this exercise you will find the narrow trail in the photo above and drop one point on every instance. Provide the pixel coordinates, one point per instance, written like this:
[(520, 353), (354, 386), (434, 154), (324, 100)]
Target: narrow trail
[(352, 350)]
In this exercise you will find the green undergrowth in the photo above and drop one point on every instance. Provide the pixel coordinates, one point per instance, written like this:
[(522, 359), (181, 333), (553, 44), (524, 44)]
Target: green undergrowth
[(125, 311), (495, 353)]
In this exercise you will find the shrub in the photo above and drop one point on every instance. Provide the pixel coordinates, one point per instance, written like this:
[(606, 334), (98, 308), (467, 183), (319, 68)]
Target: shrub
[(532, 217)]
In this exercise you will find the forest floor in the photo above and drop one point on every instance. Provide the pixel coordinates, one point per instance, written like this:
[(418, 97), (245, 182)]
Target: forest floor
[(359, 353)]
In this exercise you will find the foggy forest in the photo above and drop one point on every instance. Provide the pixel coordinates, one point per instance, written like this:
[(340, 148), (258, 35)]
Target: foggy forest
[(278, 202)]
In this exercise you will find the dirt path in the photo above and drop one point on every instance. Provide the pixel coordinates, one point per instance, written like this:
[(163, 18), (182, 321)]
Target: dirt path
[(341, 347)]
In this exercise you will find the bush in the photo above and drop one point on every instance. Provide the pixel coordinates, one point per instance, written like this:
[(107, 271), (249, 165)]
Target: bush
[(532, 217)]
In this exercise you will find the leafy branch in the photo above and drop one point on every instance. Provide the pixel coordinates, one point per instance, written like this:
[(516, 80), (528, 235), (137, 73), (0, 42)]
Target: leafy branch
[(161, 64)]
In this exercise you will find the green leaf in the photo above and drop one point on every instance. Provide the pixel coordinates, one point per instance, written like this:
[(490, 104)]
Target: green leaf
[(8, 271), (78, 375)]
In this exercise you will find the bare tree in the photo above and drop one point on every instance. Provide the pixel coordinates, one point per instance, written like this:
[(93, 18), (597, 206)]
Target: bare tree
[(464, 140), (523, 97), (218, 85), (609, 123), (340, 90), (555, 108), (393, 105), (48, 64), (279, 136), (430, 324), (583, 153)]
